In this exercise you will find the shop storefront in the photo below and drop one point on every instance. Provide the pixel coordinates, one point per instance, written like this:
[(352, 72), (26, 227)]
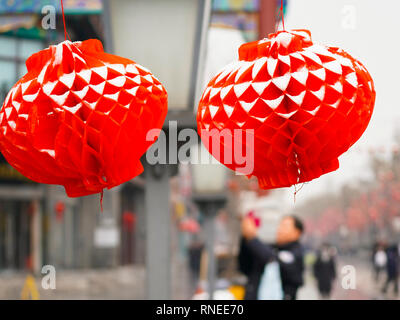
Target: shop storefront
[(21, 220)]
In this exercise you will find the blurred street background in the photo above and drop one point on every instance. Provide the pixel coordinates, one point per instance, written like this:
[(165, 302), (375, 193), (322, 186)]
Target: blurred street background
[(141, 246)]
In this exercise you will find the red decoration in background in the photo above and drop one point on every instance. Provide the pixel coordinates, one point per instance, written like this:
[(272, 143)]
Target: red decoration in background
[(306, 103), (79, 118), (189, 225), (252, 215), (356, 219), (59, 208), (128, 220)]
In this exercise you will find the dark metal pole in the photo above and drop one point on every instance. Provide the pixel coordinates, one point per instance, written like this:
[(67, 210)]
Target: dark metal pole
[(158, 262), (267, 17), (108, 40), (209, 205), (199, 52), (209, 226)]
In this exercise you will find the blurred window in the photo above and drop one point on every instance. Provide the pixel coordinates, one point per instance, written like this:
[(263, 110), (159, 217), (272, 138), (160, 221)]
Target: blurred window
[(28, 47), (13, 54), (8, 46)]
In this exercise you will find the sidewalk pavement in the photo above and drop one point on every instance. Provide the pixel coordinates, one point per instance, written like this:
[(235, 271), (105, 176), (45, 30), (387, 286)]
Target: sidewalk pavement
[(118, 283), (366, 288), (128, 282)]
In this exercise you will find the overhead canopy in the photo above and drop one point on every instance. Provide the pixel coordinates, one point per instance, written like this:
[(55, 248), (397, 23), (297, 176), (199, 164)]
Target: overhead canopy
[(35, 6)]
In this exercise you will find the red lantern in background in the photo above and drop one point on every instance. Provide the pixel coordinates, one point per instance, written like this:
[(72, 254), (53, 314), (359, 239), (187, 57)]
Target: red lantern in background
[(59, 208), (128, 221), (79, 118), (306, 103)]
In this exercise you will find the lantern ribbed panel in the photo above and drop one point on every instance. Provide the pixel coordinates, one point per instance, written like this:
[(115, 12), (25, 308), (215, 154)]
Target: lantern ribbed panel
[(79, 118), (306, 103)]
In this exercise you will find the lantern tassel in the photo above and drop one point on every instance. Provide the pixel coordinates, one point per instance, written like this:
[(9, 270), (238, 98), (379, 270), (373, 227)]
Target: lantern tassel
[(101, 201), (297, 190)]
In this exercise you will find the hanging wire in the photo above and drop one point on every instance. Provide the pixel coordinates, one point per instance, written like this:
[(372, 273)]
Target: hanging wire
[(281, 16), (296, 191), (63, 17)]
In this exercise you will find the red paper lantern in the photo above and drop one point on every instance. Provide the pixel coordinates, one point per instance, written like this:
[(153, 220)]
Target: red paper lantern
[(79, 118), (306, 103)]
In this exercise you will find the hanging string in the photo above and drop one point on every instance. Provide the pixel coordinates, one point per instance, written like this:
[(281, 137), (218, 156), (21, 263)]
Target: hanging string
[(63, 17), (281, 16), (297, 190)]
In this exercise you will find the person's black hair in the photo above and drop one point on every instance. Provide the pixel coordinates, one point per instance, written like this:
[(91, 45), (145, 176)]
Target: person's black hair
[(298, 223)]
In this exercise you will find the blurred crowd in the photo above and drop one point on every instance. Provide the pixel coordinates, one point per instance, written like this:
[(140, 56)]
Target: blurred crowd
[(259, 270), (282, 268), (385, 262)]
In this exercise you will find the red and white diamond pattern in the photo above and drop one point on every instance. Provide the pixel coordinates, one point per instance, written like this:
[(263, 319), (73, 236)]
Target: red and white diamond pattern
[(84, 116), (294, 94)]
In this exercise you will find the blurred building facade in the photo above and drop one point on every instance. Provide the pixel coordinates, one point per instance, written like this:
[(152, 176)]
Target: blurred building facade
[(39, 224)]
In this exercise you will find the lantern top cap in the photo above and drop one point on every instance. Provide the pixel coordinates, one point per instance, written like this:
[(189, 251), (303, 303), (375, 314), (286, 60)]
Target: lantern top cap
[(284, 37), (64, 53), (282, 42)]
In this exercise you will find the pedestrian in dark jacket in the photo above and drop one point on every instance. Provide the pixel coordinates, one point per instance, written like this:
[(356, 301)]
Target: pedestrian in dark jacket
[(392, 269), (379, 260), (325, 270), (288, 251)]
